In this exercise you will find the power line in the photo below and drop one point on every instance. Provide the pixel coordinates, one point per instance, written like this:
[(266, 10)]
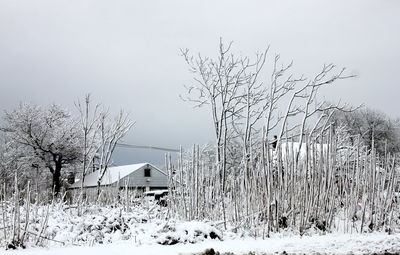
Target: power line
[(125, 145)]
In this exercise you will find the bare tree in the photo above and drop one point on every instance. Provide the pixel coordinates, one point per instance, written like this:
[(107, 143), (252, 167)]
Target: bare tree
[(90, 124), (227, 84), (111, 132), (50, 136)]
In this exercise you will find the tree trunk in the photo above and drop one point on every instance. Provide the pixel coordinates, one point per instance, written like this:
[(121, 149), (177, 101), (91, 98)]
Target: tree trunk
[(57, 176), (98, 189)]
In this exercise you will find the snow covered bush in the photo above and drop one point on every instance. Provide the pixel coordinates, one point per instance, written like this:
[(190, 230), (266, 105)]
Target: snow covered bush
[(59, 224), (186, 232)]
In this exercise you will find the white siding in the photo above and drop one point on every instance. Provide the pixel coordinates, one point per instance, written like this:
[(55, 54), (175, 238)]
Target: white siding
[(137, 178)]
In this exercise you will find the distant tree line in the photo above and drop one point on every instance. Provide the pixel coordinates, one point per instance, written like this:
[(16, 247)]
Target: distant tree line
[(371, 128)]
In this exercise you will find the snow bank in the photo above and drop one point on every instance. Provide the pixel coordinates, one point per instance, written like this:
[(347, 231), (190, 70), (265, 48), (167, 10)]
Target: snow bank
[(187, 232), (327, 244)]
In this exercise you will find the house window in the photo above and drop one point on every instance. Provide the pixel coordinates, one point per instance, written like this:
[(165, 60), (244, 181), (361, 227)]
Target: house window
[(147, 172)]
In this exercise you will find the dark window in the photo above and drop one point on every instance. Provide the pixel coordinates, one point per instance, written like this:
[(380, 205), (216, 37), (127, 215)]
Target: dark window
[(147, 172)]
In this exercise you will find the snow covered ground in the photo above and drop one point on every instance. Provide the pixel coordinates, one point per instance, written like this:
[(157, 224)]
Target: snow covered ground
[(324, 244), (148, 229)]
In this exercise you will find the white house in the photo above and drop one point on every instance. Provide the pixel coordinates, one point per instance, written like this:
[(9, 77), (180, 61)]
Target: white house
[(142, 176)]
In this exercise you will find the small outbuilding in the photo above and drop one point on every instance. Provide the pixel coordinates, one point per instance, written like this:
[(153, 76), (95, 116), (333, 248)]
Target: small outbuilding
[(141, 177)]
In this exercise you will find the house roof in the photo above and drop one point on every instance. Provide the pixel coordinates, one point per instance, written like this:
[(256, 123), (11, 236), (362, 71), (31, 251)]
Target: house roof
[(112, 175)]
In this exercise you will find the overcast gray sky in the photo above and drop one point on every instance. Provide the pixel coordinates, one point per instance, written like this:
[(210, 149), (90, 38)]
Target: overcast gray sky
[(126, 53)]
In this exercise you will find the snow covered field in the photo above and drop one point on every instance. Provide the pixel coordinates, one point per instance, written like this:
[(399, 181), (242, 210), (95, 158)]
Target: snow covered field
[(325, 244)]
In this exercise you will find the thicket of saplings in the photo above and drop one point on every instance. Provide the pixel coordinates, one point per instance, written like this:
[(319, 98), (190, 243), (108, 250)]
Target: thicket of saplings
[(327, 188), (317, 177)]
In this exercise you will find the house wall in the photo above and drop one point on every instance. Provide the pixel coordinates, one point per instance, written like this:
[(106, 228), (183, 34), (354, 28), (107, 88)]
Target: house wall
[(108, 194), (137, 179)]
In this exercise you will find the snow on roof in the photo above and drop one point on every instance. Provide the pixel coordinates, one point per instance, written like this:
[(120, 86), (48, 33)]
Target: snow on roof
[(156, 192), (112, 175)]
